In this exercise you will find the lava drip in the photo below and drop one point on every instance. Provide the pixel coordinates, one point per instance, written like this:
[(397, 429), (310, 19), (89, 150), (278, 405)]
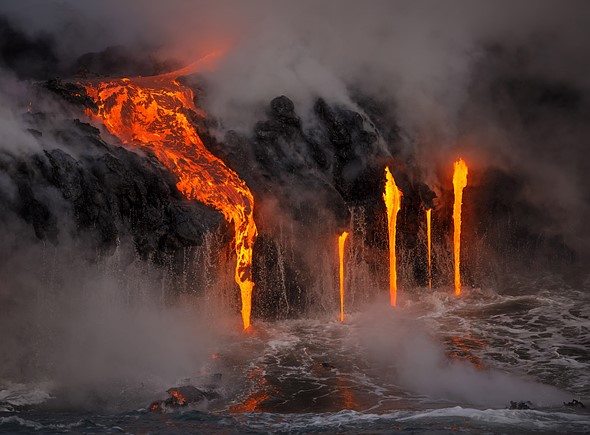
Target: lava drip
[(154, 113), (459, 183), (392, 198), (429, 244), (341, 240)]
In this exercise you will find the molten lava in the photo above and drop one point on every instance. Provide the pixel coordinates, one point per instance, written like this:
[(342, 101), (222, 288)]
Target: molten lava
[(392, 198), (154, 113), (341, 241), (429, 243), (261, 392), (459, 183), (466, 348), (180, 400)]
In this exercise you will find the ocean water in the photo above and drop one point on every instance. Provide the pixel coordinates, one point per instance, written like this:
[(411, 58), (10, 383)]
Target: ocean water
[(436, 364)]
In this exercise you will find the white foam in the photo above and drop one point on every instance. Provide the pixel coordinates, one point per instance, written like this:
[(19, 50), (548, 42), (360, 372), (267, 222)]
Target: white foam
[(15, 419), (25, 394), (528, 418)]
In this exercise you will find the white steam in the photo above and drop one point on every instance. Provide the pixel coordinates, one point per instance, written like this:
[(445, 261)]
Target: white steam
[(418, 362), (98, 328), (16, 139)]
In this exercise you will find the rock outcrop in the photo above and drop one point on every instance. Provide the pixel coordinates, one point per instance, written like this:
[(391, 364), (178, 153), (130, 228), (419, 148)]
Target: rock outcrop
[(78, 183)]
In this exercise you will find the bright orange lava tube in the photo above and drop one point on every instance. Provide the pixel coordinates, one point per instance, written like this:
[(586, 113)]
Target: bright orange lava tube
[(459, 183), (155, 113), (392, 198), (341, 241), (429, 242)]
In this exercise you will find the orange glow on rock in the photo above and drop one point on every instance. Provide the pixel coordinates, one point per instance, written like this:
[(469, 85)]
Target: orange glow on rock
[(179, 397), (392, 198), (154, 113), (341, 240), (459, 183)]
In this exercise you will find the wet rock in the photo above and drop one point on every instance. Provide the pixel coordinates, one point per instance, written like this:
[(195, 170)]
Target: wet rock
[(520, 405), (427, 196), (574, 404), (77, 183), (283, 110), (71, 93), (338, 122), (181, 397), (315, 174)]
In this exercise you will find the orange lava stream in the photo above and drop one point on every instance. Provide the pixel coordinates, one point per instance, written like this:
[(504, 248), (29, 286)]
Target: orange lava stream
[(392, 198), (154, 113), (429, 242), (341, 240), (459, 183)]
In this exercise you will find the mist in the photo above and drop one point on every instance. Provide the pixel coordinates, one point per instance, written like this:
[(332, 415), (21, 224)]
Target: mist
[(401, 345), (99, 334)]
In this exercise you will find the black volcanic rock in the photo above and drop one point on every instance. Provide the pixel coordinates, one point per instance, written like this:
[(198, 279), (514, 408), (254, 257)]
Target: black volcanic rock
[(182, 397), (339, 123), (79, 183), (70, 92), (283, 110)]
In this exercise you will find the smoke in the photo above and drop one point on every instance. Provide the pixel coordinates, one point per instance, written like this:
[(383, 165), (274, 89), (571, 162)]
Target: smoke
[(105, 333), (16, 139), (433, 63), (95, 328), (415, 360)]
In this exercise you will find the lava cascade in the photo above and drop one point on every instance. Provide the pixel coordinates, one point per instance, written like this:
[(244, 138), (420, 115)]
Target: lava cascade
[(429, 244), (154, 113), (459, 183), (341, 240), (392, 198)]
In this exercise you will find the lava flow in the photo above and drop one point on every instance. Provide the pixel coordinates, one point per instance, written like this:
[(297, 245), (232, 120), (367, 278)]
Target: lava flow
[(392, 198), (341, 241), (154, 113), (429, 243), (459, 183), (178, 396)]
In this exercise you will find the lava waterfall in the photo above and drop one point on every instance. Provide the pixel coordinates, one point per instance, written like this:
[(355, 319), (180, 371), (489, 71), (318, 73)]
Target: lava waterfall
[(154, 113)]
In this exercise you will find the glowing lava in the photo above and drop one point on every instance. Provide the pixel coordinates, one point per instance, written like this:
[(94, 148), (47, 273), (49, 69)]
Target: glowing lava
[(392, 198), (154, 113), (341, 241), (459, 183), (178, 396), (429, 243)]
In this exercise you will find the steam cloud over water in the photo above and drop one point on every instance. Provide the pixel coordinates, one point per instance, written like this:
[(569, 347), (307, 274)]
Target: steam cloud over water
[(419, 363), (112, 279)]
